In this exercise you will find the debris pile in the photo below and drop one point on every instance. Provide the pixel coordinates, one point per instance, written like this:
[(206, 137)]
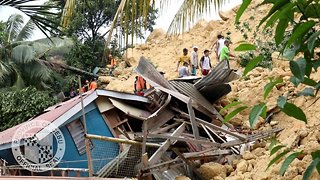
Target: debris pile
[(181, 129)]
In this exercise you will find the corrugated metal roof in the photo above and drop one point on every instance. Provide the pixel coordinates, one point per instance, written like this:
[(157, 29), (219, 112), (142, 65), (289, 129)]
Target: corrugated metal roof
[(151, 75), (218, 75), (50, 116), (190, 91), (215, 92)]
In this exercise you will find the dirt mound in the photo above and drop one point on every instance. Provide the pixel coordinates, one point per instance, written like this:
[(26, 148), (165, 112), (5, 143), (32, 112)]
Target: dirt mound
[(163, 53)]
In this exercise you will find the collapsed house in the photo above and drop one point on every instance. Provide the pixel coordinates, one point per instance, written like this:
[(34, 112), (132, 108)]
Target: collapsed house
[(168, 132)]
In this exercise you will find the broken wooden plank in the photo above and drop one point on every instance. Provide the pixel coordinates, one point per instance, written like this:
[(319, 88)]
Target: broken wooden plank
[(161, 116), (217, 128), (211, 151), (251, 138), (164, 129), (118, 140), (164, 147), (208, 133), (195, 129), (185, 139), (190, 163)]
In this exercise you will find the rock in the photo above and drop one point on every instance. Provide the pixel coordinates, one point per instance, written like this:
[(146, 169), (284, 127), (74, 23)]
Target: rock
[(248, 155), (229, 169), (259, 152), (105, 79), (273, 123), (218, 178), (182, 178), (303, 133), (223, 16), (211, 170), (242, 166), (117, 72)]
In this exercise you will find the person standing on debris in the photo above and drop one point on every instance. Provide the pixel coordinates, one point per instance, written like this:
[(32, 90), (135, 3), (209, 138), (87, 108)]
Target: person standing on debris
[(183, 58), (225, 52), (93, 85), (87, 85), (184, 71), (112, 61), (139, 86), (205, 63), (194, 61), (219, 44)]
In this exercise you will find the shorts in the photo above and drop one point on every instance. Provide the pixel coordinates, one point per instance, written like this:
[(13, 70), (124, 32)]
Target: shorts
[(205, 72)]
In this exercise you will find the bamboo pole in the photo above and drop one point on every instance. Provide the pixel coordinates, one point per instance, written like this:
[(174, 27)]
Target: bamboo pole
[(87, 143), (119, 140)]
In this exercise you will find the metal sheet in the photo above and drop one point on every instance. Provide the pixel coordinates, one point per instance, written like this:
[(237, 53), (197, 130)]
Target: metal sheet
[(130, 110), (219, 75), (190, 91), (151, 75), (123, 96), (215, 92), (104, 104)]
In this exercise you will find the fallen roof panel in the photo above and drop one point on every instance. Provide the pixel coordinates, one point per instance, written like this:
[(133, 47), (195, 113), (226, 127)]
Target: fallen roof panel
[(151, 75), (122, 95), (130, 110), (218, 75)]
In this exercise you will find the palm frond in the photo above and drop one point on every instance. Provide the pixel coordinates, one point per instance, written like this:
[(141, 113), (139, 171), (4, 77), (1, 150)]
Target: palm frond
[(67, 13), (26, 32), (14, 25), (23, 54), (35, 12), (190, 12), (5, 71)]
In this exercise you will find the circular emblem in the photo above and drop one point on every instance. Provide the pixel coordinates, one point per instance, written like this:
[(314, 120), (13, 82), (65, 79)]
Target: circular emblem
[(38, 145)]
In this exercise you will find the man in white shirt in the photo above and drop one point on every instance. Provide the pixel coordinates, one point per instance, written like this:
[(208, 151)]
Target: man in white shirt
[(219, 44), (194, 61), (205, 63)]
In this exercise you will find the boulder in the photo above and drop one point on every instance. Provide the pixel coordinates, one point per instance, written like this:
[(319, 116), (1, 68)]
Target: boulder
[(212, 170)]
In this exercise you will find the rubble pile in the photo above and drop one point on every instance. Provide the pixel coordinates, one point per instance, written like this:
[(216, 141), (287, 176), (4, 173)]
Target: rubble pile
[(163, 51)]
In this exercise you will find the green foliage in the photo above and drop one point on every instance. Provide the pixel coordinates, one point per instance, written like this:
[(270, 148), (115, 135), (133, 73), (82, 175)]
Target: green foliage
[(269, 87), (18, 106), (291, 109), (245, 47), (261, 47), (233, 113), (86, 55), (252, 64), (256, 111), (288, 161)]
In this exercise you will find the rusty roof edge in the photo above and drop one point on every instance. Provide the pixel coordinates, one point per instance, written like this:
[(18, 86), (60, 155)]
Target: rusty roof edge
[(151, 75)]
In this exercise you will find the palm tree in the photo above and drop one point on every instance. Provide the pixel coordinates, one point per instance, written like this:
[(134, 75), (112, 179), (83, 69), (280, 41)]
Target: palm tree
[(37, 13), (22, 61), (188, 14)]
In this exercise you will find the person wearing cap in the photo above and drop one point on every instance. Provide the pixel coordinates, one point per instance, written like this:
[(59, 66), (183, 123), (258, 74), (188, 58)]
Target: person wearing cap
[(194, 61), (225, 52), (205, 63), (184, 58)]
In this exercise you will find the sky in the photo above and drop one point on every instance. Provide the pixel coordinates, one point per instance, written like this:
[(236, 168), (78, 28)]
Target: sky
[(163, 21)]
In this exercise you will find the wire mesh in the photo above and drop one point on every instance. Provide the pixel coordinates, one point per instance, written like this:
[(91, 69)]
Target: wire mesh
[(116, 162)]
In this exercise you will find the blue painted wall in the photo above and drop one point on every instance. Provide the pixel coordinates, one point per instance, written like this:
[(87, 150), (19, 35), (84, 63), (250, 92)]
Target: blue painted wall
[(102, 151)]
